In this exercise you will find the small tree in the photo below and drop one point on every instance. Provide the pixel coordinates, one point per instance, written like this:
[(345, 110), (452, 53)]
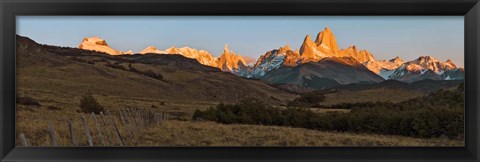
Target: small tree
[(89, 104)]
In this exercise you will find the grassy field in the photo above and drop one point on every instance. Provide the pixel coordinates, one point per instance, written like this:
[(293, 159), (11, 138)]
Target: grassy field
[(33, 122)]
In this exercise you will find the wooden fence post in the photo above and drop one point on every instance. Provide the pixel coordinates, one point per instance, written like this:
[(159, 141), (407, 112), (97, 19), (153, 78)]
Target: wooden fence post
[(126, 125), (116, 128), (155, 120), (98, 129), (139, 117), (143, 116), (105, 126), (87, 131), (159, 117), (52, 135), (134, 118), (72, 135), (150, 117), (23, 139), (122, 118)]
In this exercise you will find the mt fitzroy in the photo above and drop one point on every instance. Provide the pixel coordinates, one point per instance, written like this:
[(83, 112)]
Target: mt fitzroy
[(317, 64), (324, 47)]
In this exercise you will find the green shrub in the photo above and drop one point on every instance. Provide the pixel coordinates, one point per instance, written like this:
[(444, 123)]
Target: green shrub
[(115, 65), (308, 99), (151, 74), (55, 108), (148, 73), (89, 104)]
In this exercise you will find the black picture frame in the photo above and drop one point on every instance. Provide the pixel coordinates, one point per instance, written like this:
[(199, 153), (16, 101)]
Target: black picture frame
[(467, 8)]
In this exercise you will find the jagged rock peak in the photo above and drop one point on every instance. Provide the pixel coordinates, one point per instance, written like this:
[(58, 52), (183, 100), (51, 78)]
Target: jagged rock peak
[(307, 38), (285, 48), (229, 61), (426, 59), (326, 40), (225, 49), (396, 59), (450, 62)]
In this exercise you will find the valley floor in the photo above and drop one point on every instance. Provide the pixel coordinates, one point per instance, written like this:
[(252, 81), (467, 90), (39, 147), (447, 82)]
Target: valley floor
[(190, 133), (57, 109), (200, 133)]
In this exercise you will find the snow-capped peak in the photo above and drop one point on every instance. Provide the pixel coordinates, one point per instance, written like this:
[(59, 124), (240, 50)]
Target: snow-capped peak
[(433, 64), (396, 60), (98, 44), (426, 67), (129, 52), (150, 49), (450, 63), (383, 67), (425, 60)]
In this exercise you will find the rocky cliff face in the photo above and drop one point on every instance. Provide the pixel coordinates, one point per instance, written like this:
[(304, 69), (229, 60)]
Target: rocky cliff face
[(271, 60), (229, 61), (325, 45), (309, 51), (326, 42), (360, 55)]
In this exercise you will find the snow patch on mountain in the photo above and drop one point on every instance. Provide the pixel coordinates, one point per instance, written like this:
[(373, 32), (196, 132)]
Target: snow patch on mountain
[(384, 73), (100, 45)]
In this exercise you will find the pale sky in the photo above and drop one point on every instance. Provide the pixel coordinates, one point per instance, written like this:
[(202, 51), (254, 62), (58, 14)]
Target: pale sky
[(384, 36)]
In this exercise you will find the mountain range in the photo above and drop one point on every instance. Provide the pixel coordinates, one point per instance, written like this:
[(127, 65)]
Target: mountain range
[(72, 71), (318, 64), (228, 61)]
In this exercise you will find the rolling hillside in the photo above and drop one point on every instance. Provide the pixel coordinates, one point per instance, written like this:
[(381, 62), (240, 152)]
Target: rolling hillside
[(73, 72)]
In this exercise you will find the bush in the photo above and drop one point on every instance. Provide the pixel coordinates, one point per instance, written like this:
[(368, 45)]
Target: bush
[(151, 74), (132, 69), (308, 99), (29, 101), (115, 65), (148, 73), (89, 104), (54, 108)]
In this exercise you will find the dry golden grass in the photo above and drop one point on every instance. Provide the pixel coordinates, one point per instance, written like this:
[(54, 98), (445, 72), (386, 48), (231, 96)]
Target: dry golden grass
[(192, 133), (327, 110)]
